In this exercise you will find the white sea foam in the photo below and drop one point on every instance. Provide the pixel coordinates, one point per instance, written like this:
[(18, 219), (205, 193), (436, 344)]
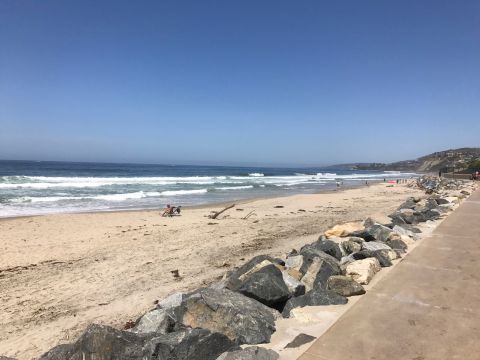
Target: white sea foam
[(183, 192), (234, 187), (121, 197), (256, 175)]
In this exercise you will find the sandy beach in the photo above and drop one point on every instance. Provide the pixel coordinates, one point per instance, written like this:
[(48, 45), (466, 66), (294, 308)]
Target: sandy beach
[(59, 273)]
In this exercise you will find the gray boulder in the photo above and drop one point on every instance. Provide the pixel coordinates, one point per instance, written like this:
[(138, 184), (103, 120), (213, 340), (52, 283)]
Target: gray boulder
[(377, 232), (250, 353), (155, 321), (431, 214), (317, 267), (242, 319), (295, 287), (328, 247), (442, 201), (351, 246), (314, 297), (100, 342), (383, 256), (397, 245), (235, 278), (6, 358), (374, 246), (345, 286), (410, 203), (266, 286), (188, 344)]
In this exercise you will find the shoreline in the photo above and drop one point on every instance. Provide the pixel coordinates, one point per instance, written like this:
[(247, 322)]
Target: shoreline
[(64, 271), (195, 207)]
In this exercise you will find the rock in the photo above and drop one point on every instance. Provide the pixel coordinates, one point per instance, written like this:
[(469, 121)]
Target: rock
[(403, 231), (294, 262), (343, 230), (295, 287), (155, 321), (398, 245), (377, 232), (188, 344), (403, 216), (317, 267), (59, 352), (442, 201), (314, 297), (249, 353), (329, 247), (363, 271), (300, 339), (6, 358), (410, 203), (100, 342), (254, 264), (384, 257), (266, 286), (344, 285), (242, 319), (172, 301), (351, 246), (296, 274), (356, 239), (465, 192), (431, 214), (375, 245)]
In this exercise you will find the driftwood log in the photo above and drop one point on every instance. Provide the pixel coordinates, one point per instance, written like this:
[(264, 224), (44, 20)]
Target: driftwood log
[(248, 215), (215, 215)]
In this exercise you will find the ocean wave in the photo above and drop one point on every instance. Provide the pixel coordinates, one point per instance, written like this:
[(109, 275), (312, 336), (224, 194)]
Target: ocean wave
[(121, 197), (256, 174), (234, 187), (183, 192)]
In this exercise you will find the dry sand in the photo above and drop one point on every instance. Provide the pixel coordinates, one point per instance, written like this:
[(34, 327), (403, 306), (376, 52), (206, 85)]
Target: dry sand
[(59, 273)]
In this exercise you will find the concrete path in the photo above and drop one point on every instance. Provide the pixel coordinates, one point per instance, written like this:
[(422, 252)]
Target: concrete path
[(428, 307)]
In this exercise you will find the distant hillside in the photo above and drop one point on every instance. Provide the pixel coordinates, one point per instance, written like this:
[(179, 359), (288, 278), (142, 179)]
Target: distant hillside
[(464, 160)]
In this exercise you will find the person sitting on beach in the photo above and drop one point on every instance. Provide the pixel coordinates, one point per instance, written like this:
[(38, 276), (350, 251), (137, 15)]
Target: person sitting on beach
[(172, 210), (168, 211)]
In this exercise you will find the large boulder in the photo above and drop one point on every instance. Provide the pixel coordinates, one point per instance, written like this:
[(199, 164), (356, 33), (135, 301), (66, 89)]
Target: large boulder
[(242, 319), (375, 245), (100, 342), (377, 232), (265, 285), (404, 231), (343, 230), (188, 344), (155, 321), (317, 267), (398, 245), (295, 287), (236, 277), (314, 297), (384, 257), (442, 201), (250, 353), (329, 247), (351, 246), (344, 285), (363, 271), (59, 352)]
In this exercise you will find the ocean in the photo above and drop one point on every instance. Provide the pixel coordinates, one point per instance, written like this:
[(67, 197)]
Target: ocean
[(34, 188)]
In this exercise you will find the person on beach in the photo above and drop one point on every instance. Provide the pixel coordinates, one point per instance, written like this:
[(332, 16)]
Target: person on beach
[(168, 211), (172, 210)]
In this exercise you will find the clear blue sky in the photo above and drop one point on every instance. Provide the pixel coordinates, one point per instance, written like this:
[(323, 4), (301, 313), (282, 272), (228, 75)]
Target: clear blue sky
[(244, 81)]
